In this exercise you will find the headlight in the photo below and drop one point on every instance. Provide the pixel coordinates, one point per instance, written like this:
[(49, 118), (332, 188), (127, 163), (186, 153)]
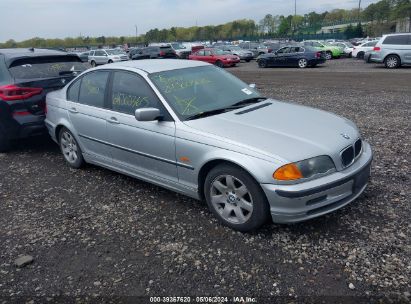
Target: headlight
[(305, 169)]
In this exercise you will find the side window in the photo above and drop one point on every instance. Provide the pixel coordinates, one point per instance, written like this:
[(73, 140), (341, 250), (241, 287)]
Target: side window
[(200, 53), (73, 91), (93, 88), (207, 53), (92, 53), (131, 92), (397, 39)]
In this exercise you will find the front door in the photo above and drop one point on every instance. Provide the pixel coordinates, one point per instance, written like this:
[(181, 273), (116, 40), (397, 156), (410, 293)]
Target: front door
[(144, 148)]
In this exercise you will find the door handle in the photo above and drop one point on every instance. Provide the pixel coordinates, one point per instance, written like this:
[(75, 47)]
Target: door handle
[(113, 120), (73, 110)]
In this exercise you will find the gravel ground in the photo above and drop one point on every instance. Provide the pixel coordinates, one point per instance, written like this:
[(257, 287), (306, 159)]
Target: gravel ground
[(94, 233)]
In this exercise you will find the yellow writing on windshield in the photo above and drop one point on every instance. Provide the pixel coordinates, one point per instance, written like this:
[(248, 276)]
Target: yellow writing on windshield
[(186, 105), (173, 84)]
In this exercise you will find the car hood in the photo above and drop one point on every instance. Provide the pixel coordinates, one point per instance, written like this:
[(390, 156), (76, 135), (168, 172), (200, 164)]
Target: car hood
[(285, 131)]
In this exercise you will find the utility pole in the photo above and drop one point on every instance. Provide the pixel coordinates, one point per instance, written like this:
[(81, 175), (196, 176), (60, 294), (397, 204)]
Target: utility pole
[(295, 7), (136, 32)]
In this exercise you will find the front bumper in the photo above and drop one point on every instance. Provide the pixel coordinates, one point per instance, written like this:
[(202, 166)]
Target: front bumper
[(300, 202)]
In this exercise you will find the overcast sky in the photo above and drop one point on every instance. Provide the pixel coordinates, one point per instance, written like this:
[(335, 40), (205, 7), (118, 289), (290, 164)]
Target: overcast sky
[(23, 19)]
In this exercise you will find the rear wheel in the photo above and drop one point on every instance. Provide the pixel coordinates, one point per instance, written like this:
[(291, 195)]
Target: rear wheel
[(110, 61), (4, 142), (328, 55), (235, 198), (392, 62), (302, 63), (360, 55), (248, 60), (93, 63), (70, 149), (262, 63), (219, 63)]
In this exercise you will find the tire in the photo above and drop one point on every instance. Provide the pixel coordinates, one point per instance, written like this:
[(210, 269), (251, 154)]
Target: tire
[(360, 55), (328, 55), (262, 63), (350, 55), (70, 149), (110, 61), (302, 63), (219, 63), (392, 62), (4, 142), (243, 206), (93, 63), (247, 60)]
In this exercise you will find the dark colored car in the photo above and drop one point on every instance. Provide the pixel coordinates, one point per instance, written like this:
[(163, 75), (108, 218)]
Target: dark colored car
[(138, 53), (155, 52), (83, 56), (26, 76), (297, 56)]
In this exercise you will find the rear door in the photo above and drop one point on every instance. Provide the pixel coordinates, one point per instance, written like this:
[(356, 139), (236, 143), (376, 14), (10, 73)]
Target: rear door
[(100, 57), (87, 110)]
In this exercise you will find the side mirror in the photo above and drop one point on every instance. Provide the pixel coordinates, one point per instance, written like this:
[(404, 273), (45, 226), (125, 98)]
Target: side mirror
[(147, 114), (252, 85)]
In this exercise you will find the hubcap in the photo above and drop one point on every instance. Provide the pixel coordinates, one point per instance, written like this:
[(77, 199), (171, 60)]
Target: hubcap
[(231, 199), (328, 56), (69, 147), (391, 62), (302, 63)]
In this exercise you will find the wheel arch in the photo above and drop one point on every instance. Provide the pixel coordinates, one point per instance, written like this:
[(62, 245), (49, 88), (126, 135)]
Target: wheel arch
[(392, 54), (209, 165)]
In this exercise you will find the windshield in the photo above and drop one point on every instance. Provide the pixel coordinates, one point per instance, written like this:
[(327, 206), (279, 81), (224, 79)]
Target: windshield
[(196, 90), (219, 52), (114, 52), (178, 46), (237, 48)]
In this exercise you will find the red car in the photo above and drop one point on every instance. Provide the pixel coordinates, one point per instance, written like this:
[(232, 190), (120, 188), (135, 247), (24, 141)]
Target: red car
[(215, 56)]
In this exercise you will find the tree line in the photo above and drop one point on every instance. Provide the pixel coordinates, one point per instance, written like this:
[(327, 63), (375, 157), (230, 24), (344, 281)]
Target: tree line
[(377, 18)]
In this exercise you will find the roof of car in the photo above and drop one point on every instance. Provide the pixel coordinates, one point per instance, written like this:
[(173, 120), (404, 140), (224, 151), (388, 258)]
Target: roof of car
[(156, 65), (29, 52)]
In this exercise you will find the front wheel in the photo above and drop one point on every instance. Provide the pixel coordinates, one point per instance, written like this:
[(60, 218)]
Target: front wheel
[(93, 63), (328, 55), (219, 63), (110, 61), (247, 60), (262, 63), (235, 198), (360, 55), (70, 149), (392, 62), (302, 63)]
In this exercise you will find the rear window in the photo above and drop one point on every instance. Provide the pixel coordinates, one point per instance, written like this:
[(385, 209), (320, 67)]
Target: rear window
[(45, 67), (398, 39)]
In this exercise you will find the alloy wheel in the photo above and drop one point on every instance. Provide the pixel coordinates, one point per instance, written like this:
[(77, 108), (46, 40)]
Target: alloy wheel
[(328, 56), (392, 62), (69, 147), (302, 63), (231, 199)]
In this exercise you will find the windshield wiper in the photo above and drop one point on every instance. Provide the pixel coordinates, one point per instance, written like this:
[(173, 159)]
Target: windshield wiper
[(74, 72), (206, 113), (247, 102)]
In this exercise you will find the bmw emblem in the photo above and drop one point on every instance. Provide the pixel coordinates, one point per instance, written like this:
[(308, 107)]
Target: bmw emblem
[(346, 136)]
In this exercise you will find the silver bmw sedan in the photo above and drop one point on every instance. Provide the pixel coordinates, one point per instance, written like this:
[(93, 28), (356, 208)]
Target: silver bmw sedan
[(195, 129)]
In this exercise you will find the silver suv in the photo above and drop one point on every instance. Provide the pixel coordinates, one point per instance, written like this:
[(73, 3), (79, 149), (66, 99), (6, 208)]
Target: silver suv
[(97, 57), (393, 50)]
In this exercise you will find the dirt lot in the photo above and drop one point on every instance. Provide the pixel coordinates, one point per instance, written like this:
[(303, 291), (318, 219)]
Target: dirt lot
[(96, 233)]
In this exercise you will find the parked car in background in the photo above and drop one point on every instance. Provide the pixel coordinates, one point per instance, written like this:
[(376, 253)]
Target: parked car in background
[(359, 50), (251, 47), (198, 130), (156, 52), (331, 51), (26, 76), (393, 50), (139, 53), (83, 56), (101, 56), (237, 51), (347, 47), (181, 51), (215, 56), (298, 56)]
